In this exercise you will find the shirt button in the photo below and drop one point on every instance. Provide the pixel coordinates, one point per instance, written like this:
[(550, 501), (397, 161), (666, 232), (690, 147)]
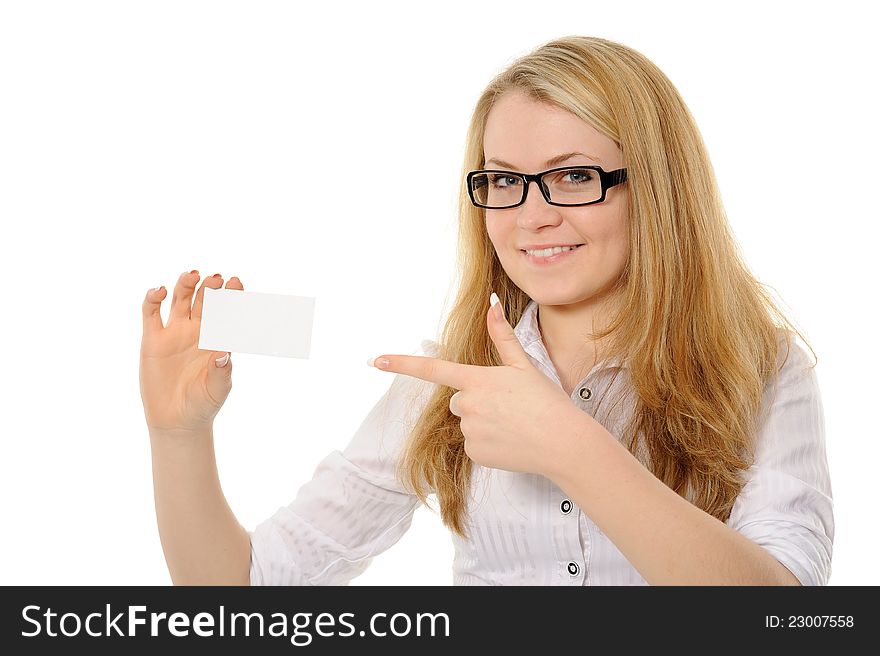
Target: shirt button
[(573, 568), (565, 507), (585, 393)]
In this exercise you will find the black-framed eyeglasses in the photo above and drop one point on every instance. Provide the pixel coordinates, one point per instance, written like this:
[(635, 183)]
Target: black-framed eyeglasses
[(566, 186)]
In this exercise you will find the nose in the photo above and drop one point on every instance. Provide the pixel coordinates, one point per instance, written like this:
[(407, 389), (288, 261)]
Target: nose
[(536, 211)]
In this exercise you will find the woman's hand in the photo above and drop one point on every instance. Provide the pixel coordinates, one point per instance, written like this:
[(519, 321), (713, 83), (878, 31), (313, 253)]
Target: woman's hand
[(182, 388), (513, 417)]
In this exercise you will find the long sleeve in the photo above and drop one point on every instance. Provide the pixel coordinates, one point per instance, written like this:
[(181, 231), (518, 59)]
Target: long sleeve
[(352, 509), (786, 505)]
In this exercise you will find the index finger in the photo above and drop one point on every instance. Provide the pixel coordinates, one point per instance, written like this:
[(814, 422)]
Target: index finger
[(452, 374), (150, 309)]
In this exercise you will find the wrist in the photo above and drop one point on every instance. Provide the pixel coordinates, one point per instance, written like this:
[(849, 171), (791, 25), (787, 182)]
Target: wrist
[(576, 429), (179, 438)]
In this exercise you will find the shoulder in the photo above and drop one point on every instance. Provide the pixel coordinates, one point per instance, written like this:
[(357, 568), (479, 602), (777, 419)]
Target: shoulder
[(792, 419), (794, 366)]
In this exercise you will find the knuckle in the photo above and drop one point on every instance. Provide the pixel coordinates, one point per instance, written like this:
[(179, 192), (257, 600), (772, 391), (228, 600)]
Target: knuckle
[(431, 367)]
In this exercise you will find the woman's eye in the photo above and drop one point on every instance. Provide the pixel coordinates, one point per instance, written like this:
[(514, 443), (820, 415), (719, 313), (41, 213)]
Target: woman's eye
[(504, 180), (579, 177)]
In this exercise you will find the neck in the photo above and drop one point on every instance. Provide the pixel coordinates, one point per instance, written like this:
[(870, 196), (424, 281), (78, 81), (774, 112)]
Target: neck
[(565, 330)]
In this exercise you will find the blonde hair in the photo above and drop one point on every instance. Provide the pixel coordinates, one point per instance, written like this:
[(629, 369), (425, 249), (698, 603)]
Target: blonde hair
[(700, 334)]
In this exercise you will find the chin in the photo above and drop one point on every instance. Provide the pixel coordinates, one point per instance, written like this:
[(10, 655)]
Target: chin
[(543, 297)]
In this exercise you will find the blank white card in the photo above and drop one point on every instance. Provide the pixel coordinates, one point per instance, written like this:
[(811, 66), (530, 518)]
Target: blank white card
[(251, 322)]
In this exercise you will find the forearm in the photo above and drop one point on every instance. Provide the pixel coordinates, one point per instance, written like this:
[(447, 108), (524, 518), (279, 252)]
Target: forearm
[(666, 538), (203, 542)]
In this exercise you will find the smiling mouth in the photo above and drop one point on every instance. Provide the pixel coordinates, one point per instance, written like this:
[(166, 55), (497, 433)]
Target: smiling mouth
[(541, 261), (570, 249)]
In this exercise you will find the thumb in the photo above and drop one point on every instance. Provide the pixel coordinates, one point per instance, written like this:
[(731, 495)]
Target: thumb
[(503, 335), (219, 375)]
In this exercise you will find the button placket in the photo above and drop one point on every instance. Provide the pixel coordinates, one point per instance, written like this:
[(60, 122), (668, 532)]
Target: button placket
[(565, 508)]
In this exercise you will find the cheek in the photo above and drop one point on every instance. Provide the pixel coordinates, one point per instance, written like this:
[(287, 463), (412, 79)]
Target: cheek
[(616, 232), (497, 234), (622, 242), (620, 250), (493, 228)]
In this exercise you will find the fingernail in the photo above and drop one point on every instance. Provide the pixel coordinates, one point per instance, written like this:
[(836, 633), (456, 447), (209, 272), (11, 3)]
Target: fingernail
[(221, 362), (156, 289), (499, 311), (381, 362)]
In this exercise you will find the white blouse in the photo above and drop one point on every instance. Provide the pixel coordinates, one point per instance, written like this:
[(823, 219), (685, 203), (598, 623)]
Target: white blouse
[(523, 530)]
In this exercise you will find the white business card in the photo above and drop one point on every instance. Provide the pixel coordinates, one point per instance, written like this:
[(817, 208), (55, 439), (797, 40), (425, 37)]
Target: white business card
[(252, 322)]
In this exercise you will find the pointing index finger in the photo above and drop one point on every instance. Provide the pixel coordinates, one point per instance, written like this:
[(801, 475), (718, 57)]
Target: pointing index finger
[(452, 374)]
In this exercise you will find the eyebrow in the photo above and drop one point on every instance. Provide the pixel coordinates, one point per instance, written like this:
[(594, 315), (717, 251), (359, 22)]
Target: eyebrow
[(550, 162)]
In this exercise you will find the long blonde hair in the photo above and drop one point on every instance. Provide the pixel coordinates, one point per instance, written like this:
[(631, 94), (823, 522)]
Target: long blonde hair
[(700, 334)]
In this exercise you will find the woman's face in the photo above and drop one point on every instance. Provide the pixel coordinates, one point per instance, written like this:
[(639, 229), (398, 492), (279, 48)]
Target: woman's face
[(522, 135)]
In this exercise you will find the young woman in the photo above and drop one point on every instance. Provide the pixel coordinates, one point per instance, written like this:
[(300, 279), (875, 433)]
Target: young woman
[(638, 412)]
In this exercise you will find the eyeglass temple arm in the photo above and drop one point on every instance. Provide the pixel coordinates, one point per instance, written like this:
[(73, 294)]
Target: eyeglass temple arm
[(613, 178)]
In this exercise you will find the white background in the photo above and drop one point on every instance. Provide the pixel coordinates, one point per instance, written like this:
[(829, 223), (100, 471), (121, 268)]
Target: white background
[(141, 140)]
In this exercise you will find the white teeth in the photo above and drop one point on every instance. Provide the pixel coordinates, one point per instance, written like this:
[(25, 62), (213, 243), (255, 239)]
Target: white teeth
[(547, 252)]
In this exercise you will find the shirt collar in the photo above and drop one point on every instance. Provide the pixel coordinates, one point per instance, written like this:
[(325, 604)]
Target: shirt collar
[(529, 335)]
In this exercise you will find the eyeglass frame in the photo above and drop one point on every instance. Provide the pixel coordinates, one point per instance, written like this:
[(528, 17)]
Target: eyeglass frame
[(607, 180)]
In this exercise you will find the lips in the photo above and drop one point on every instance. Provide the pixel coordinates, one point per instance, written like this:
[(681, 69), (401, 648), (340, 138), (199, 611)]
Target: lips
[(541, 248), (540, 261)]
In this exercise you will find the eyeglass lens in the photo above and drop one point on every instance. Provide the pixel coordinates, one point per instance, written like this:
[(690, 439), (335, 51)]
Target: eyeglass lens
[(571, 186)]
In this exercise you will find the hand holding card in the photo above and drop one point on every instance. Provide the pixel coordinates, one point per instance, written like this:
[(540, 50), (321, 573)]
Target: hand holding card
[(186, 366), (182, 387)]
